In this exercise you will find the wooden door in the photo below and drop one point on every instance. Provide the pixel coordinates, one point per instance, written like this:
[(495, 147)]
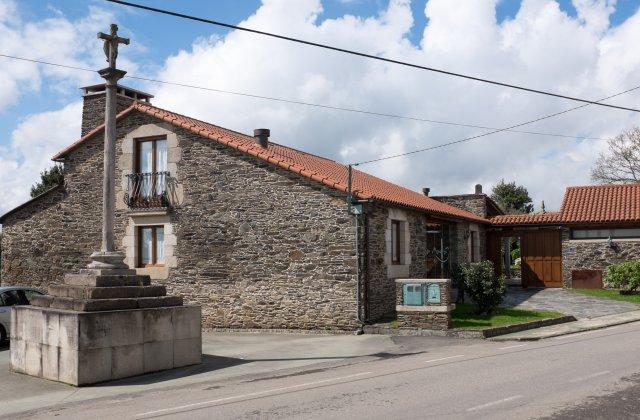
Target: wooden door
[(541, 259)]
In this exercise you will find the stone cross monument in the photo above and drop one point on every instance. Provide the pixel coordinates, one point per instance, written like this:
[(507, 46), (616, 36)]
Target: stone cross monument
[(105, 322), (108, 258)]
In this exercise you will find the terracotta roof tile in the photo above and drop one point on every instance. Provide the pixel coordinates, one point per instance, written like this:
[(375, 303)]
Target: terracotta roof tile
[(588, 204), (326, 171), (602, 203), (525, 219)]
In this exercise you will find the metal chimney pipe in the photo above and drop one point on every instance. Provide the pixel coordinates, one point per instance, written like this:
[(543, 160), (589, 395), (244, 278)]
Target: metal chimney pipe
[(262, 136)]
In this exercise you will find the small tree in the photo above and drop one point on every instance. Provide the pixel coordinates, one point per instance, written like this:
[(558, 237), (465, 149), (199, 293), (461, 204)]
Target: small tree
[(624, 276), (483, 287), (512, 198), (621, 163), (49, 178)]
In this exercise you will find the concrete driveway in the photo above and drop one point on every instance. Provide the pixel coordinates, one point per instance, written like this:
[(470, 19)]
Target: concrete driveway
[(566, 302), (227, 357)]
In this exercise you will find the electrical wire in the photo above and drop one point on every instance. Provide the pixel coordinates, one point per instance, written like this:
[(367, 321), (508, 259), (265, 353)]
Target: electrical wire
[(466, 139), (365, 55), (310, 104)]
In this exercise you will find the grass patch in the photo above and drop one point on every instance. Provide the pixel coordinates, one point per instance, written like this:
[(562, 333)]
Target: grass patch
[(464, 316), (608, 294), (393, 323)]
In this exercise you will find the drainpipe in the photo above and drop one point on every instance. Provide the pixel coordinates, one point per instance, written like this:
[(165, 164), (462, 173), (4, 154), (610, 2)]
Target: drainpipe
[(360, 329)]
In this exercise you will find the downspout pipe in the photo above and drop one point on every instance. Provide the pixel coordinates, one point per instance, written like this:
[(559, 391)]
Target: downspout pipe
[(360, 329)]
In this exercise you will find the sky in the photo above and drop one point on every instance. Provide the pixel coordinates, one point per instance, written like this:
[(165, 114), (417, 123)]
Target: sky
[(582, 48)]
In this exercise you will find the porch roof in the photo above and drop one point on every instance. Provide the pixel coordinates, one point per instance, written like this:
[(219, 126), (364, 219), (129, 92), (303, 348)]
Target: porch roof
[(593, 204)]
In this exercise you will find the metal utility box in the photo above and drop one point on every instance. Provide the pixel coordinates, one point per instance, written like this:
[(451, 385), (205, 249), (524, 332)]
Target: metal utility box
[(412, 294)]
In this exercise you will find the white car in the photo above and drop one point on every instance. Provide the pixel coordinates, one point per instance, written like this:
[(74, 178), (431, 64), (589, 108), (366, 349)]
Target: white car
[(10, 296)]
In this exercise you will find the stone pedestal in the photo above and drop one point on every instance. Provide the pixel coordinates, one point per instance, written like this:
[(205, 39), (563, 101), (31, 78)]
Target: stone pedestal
[(429, 305), (99, 327)]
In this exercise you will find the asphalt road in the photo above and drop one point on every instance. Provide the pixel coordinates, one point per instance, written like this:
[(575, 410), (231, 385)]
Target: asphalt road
[(587, 375)]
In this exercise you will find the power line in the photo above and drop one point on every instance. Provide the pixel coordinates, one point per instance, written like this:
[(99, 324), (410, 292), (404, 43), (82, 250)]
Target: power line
[(438, 146), (310, 104), (365, 55)]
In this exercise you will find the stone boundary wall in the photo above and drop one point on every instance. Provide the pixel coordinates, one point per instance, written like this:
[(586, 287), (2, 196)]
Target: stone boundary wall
[(594, 254)]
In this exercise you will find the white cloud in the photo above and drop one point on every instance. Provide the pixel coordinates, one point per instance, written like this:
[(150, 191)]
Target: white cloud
[(33, 142), (55, 39)]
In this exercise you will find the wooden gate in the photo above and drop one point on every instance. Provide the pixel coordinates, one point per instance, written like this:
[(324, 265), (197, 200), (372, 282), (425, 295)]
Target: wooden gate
[(541, 258)]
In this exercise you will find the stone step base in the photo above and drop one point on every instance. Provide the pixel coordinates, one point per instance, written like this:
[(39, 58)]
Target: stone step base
[(96, 305), (92, 280), (87, 292)]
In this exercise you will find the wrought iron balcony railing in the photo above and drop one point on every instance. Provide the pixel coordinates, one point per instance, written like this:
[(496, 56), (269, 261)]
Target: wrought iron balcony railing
[(148, 190)]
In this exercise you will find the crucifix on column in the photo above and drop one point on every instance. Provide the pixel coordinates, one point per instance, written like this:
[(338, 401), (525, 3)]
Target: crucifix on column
[(108, 258)]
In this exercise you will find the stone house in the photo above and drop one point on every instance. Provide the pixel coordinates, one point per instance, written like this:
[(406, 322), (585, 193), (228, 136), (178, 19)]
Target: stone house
[(595, 227), (255, 232)]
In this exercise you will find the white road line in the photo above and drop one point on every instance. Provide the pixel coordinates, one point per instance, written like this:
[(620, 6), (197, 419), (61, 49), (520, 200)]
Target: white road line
[(444, 358), (251, 394), (511, 347), (492, 403), (593, 375)]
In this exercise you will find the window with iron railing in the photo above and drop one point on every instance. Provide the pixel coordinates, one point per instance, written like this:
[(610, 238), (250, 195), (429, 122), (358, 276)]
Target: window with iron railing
[(148, 186)]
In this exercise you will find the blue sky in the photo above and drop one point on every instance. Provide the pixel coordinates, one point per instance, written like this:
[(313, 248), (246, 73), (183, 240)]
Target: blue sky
[(156, 38)]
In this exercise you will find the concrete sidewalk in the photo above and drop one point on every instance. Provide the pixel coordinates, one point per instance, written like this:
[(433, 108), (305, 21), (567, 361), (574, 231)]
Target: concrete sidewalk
[(572, 327), (227, 357)]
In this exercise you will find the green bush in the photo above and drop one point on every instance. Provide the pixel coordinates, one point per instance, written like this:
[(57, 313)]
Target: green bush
[(483, 287), (624, 276), (515, 254)]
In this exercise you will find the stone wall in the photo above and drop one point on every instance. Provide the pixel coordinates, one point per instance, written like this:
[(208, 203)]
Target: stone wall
[(381, 274), (594, 254), (260, 247), (473, 203), (93, 109), (34, 250), (424, 320)]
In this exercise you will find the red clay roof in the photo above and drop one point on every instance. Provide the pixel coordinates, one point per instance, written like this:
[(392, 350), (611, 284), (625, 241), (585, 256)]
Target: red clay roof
[(525, 219), (317, 168), (589, 204), (602, 203)]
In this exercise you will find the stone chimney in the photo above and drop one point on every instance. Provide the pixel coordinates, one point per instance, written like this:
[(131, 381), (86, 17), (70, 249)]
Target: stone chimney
[(478, 189), (94, 98), (426, 191), (262, 136)]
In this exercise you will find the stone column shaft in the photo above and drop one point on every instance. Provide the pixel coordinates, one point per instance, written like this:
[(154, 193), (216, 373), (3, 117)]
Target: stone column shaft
[(108, 180)]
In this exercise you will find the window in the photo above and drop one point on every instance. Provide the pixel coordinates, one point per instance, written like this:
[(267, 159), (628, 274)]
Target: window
[(150, 246), (151, 155), (396, 252), (605, 233), (151, 165)]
